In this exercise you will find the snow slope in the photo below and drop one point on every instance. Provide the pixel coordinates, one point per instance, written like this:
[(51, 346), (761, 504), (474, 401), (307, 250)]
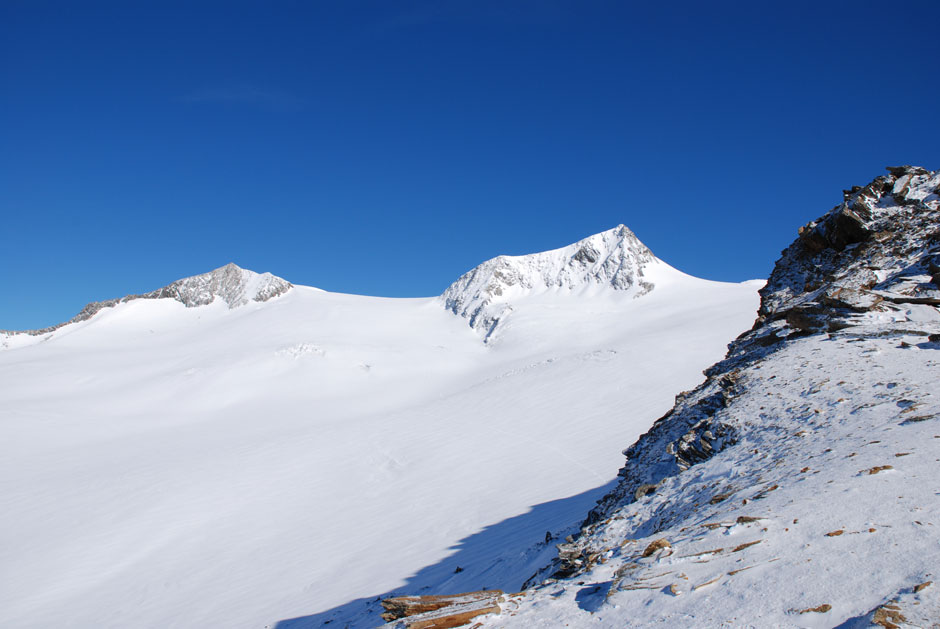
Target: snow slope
[(213, 466), (797, 486)]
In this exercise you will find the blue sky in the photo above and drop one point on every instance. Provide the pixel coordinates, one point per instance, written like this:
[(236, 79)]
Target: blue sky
[(384, 148)]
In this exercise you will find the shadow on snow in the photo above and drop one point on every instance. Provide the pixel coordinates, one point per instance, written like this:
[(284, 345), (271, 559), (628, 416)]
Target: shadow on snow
[(501, 556)]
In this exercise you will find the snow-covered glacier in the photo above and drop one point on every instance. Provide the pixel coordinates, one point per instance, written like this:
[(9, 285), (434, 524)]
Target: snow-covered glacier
[(232, 450)]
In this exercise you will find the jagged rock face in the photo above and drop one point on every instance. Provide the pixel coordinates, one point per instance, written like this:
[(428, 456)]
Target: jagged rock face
[(230, 283), (869, 268), (614, 258), (880, 246)]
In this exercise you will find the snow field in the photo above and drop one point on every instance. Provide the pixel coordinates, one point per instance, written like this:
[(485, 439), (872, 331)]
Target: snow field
[(163, 466)]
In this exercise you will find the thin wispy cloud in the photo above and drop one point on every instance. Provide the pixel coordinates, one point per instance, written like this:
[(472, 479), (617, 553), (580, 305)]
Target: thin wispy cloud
[(248, 95)]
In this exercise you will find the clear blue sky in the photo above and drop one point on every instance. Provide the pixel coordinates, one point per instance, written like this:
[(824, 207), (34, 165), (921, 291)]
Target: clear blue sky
[(384, 148)]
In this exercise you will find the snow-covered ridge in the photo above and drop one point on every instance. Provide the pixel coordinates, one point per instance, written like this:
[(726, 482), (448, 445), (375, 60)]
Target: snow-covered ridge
[(791, 488), (614, 258), (232, 284)]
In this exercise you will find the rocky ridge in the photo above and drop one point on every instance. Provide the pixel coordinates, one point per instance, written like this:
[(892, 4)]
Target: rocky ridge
[(232, 284), (869, 265), (614, 258), (836, 377)]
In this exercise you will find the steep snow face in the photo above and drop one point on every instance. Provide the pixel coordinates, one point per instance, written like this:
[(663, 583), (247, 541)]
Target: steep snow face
[(614, 258), (231, 284), (794, 487), (172, 466)]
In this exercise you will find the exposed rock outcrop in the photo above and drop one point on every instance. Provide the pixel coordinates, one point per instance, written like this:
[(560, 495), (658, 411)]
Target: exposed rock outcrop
[(863, 245)]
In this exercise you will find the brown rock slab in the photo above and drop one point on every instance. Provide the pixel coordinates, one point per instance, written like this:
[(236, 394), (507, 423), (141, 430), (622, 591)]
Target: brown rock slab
[(431, 612), (657, 545), (888, 616), (456, 616), (720, 497), (741, 547), (822, 609)]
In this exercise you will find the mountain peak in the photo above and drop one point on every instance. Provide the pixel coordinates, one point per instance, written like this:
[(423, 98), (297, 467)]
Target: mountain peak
[(234, 285), (230, 283), (614, 258)]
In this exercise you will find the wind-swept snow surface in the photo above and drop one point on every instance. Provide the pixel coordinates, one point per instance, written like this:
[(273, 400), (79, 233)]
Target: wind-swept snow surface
[(211, 466)]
